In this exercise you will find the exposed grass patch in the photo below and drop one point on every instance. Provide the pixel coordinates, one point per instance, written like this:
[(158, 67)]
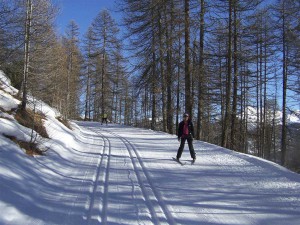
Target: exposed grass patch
[(8, 112), (30, 148), (32, 120)]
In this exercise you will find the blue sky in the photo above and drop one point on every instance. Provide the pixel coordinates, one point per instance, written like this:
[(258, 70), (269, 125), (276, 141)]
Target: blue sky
[(83, 12)]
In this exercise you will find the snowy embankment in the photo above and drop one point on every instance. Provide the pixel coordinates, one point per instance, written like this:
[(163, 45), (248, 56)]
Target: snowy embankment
[(113, 174)]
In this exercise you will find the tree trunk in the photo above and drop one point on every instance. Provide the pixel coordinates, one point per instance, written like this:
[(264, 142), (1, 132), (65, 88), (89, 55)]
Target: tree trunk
[(169, 73), (284, 90), (26, 51), (164, 84), (178, 85), (226, 127), (201, 73), (188, 100), (235, 81), (153, 79)]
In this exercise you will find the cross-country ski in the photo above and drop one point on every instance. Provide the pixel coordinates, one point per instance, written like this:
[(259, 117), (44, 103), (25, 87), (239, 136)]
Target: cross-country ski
[(178, 161)]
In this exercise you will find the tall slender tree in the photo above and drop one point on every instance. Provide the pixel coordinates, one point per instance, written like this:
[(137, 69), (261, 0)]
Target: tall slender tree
[(201, 74), (28, 24), (71, 43), (225, 133), (105, 32), (187, 69)]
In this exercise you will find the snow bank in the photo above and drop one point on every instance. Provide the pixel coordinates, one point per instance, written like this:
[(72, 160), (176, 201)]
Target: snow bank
[(5, 84), (8, 102), (42, 107), (13, 129), (28, 184), (8, 125)]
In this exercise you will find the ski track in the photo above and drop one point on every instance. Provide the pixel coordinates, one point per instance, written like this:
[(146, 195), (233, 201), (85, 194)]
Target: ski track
[(152, 199), (124, 175), (158, 209), (92, 183), (163, 203), (100, 186)]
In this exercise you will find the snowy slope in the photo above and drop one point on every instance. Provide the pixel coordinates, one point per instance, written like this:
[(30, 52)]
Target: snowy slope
[(114, 174)]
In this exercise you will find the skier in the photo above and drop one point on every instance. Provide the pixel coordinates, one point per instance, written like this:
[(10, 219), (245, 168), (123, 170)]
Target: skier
[(186, 132), (104, 118)]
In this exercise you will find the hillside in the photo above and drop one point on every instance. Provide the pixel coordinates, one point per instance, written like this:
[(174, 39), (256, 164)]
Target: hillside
[(115, 174)]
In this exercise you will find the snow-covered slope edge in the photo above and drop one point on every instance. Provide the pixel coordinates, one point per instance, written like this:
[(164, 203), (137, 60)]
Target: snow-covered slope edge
[(10, 127), (26, 182)]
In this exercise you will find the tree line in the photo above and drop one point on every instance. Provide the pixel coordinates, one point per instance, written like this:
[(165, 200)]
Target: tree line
[(78, 76), (220, 61)]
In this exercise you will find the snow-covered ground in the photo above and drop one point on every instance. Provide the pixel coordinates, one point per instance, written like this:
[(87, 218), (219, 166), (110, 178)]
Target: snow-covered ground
[(124, 175), (115, 174)]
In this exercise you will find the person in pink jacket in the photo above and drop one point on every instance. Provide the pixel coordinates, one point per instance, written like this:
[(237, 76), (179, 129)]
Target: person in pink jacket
[(186, 133)]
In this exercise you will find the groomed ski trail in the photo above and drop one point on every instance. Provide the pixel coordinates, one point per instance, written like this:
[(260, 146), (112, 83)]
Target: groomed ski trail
[(222, 187), (146, 202)]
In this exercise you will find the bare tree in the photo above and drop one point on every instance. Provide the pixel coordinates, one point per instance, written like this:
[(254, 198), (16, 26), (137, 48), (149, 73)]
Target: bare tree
[(188, 95), (28, 25), (71, 43)]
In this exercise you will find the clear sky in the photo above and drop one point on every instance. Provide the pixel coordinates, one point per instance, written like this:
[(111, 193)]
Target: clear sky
[(83, 12)]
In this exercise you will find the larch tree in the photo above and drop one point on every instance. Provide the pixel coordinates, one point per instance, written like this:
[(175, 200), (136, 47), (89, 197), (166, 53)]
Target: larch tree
[(287, 13), (105, 32), (187, 66), (88, 72), (71, 43), (27, 37), (201, 72)]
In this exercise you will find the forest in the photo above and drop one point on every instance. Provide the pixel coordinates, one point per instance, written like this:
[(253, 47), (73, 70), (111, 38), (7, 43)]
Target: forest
[(233, 65)]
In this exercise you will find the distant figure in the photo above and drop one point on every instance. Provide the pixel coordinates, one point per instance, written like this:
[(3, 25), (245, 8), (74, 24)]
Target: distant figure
[(104, 118), (186, 132)]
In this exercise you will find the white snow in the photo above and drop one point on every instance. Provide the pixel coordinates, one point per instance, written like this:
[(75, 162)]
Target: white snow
[(5, 84), (251, 113), (294, 117), (115, 174), (7, 102)]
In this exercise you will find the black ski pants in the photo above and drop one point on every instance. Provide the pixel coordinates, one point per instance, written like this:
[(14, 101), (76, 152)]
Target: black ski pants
[(181, 147)]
